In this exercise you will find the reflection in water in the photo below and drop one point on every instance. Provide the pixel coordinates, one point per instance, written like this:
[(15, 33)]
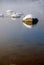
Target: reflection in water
[(29, 20), (28, 26), (13, 18)]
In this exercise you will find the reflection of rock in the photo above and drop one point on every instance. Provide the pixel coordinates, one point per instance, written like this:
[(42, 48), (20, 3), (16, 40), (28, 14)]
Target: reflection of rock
[(30, 20), (28, 26), (13, 18)]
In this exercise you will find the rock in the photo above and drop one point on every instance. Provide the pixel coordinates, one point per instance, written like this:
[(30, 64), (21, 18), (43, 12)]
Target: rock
[(9, 12), (30, 19), (15, 15)]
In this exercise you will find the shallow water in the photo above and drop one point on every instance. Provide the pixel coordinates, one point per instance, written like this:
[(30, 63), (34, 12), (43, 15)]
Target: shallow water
[(20, 45)]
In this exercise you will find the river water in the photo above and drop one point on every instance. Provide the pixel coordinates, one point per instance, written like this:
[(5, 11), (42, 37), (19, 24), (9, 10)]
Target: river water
[(20, 45)]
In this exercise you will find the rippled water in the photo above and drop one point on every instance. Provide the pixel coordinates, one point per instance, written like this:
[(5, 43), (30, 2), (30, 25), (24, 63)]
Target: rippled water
[(20, 45)]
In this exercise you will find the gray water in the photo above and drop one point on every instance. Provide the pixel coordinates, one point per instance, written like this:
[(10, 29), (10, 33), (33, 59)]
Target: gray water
[(20, 45)]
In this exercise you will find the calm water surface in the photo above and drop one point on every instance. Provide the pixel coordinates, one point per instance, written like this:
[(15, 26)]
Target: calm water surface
[(20, 45)]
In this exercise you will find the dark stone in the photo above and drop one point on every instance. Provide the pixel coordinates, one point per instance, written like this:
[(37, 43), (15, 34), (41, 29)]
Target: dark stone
[(35, 21)]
